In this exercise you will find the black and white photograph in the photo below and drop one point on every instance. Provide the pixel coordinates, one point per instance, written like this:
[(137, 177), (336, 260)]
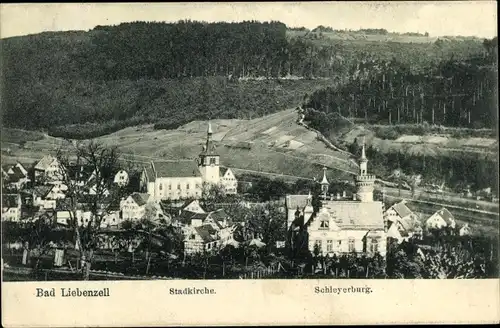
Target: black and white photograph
[(220, 141)]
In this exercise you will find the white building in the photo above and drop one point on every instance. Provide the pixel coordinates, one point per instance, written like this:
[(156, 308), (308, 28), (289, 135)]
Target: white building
[(184, 179), (48, 170), (441, 219), (401, 222), (11, 207), (121, 178), (346, 226), (134, 206)]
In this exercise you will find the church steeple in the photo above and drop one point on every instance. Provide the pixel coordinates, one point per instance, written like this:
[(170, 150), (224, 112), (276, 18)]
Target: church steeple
[(324, 184), (209, 159)]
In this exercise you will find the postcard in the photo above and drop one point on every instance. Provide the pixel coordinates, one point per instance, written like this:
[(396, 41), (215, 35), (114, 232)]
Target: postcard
[(281, 163)]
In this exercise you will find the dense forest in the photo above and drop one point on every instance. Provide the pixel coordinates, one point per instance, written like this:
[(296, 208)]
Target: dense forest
[(83, 84), (454, 93)]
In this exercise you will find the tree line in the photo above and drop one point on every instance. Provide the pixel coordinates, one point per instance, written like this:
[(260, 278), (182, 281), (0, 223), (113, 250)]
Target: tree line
[(453, 93)]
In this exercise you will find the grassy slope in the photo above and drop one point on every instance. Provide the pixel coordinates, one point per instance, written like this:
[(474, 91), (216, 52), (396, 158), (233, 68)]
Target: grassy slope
[(269, 152)]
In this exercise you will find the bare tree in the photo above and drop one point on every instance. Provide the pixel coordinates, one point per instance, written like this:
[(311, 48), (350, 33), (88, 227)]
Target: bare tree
[(96, 193)]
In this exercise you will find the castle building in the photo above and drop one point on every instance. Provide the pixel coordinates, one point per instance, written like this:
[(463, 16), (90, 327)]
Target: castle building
[(345, 226), (176, 180)]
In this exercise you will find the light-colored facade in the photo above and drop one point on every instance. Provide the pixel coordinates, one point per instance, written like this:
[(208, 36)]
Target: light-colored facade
[(49, 170), (175, 180), (11, 207), (134, 206), (121, 178)]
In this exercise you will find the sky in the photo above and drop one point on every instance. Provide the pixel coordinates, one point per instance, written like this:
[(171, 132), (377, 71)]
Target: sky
[(441, 18)]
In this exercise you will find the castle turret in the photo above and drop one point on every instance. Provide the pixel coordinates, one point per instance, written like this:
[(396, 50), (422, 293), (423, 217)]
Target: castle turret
[(209, 160), (365, 182)]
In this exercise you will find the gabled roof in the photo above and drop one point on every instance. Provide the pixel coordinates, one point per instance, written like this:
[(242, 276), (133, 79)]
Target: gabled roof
[(402, 209), (140, 198), (446, 215), (178, 169), (206, 233), (42, 191), (44, 163), (294, 201), (148, 170), (356, 215), (409, 223), (219, 215)]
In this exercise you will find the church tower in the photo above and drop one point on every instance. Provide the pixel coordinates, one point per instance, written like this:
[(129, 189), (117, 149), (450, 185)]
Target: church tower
[(364, 182), (324, 184), (209, 160)]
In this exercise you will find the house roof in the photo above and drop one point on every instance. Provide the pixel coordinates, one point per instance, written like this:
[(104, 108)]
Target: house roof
[(178, 169), (219, 215), (148, 169), (294, 201), (140, 198), (446, 215), (206, 233), (402, 209), (10, 200), (409, 223), (356, 215), (44, 163), (42, 191)]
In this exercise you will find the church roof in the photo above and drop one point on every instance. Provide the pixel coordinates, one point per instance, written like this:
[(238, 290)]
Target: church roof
[(209, 147), (176, 169), (356, 215)]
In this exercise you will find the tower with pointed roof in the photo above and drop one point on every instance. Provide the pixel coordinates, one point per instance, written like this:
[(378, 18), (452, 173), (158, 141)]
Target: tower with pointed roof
[(209, 160), (365, 182), (324, 184)]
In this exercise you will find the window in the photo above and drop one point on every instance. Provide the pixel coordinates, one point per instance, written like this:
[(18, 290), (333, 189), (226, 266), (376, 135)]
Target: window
[(187, 186), (192, 236), (178, 186), (169, 187), (212, 160), (160, 187), (197, 186), (324, 224), (351, 244), (339, 244), (374, 246), (329, 245), (318, 244)]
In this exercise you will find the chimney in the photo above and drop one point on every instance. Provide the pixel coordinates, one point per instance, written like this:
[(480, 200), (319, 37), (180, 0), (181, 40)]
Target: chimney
[(353, 196), (344, 195), (338, 196)]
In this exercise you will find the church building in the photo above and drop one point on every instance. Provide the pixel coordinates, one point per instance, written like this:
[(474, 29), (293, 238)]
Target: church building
[(176, 180), (345, 226)]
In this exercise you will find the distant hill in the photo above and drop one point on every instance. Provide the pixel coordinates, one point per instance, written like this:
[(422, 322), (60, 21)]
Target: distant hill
[(84, 84)]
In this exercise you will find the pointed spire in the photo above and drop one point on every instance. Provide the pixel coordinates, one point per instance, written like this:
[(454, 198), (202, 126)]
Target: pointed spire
[(363, 153), (209, 131), (324, 181)]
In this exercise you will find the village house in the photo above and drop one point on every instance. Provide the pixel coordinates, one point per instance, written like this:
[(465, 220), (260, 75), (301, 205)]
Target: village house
[(15, 176), (48, 170), (465, 230), (193, 206), (441, 219), (121, 178), (176, 180), (229, 181), (134, 206), (11, 207), (401, 223), (44, 197)]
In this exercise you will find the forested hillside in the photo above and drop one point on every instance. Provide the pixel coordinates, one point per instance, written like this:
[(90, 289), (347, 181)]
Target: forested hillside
[(83, 84), (453, 93)]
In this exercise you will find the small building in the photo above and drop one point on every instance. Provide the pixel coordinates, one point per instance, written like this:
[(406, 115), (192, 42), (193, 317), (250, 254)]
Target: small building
[(399, 217), (465, 230), (121, 178), (15, 176), (44, 197), (441, 219), (228, 181), (193, 206), (202, 238), (134, 206), (48, 170), (11, 207)]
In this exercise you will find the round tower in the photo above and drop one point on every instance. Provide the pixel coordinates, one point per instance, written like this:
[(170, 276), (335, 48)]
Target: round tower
[(365, 182)]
